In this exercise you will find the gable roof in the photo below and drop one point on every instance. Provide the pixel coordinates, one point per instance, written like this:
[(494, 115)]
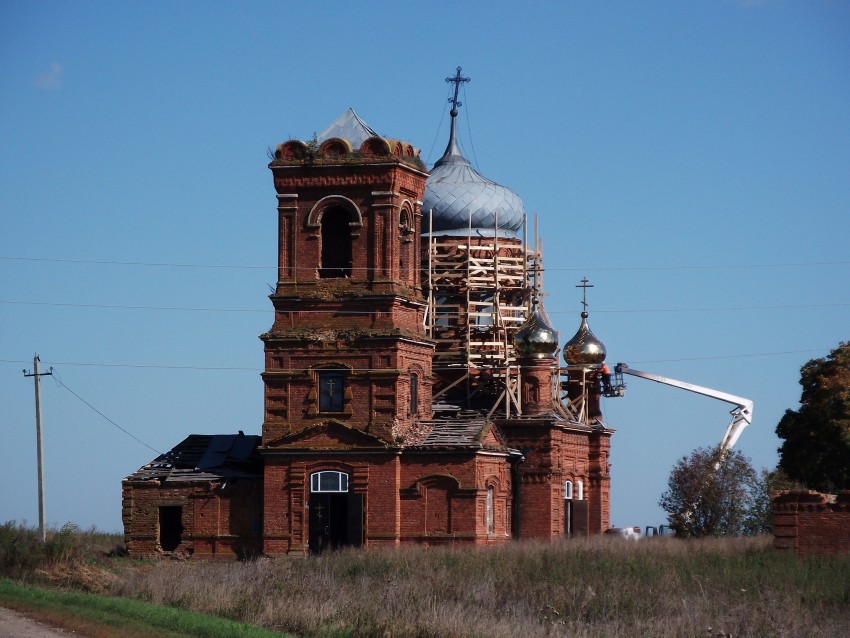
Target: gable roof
[(205, 457)]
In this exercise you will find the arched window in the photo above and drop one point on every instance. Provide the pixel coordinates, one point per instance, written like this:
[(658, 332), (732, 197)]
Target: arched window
[(329, 481), (579, 490), (336, 244), (568, 490), (406, 261)]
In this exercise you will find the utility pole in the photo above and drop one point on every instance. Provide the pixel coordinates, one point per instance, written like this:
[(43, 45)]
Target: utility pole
[(36, 375)]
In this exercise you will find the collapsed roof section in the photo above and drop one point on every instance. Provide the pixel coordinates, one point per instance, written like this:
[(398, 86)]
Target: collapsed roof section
[(205, 457)]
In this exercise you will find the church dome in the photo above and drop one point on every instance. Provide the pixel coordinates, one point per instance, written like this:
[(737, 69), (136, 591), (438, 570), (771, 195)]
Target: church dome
[(536, 339), (584, 348), (455, 193)]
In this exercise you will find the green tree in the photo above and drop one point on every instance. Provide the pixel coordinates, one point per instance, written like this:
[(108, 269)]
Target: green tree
[(711, 493), (816, 438), (759, 519)]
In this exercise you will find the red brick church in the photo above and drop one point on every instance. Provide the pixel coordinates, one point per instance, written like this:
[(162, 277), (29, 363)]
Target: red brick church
[(413, 392)]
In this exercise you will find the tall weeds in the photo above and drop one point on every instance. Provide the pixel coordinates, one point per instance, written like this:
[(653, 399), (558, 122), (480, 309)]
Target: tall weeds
[(598, 587), (64, 558)]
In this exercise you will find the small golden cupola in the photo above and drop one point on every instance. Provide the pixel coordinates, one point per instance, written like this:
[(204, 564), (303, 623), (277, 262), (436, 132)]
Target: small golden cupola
[(584, 348), (536, 339)]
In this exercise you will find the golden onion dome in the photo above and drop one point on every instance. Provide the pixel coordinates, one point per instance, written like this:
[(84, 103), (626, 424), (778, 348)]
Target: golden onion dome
[(536, 339), (584, 348)]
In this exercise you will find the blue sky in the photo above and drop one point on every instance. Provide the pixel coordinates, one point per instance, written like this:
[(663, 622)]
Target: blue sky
[(692, 159)]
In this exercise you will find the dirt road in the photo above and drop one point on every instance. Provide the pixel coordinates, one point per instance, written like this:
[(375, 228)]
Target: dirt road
[(15, 625)]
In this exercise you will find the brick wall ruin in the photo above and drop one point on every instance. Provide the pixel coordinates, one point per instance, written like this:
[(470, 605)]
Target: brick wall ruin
[(809, 522)]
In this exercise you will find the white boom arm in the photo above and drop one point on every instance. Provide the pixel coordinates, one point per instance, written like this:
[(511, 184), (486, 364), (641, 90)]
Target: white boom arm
[(742, 415)]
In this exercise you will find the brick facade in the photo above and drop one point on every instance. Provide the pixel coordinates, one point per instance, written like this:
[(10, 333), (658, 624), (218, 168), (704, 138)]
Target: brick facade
[(557, 452), (350, 452), (217, 522), (364, 315), (809, 522), (203, 498)]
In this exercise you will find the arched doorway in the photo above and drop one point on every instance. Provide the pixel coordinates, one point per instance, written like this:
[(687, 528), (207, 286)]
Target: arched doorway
[(336, 514)]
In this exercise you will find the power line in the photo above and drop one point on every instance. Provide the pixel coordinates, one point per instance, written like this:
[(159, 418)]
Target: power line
[(446, 314), (61, 384), (733, 356), (144, 366), (134, 263), (469, 130), (127, 307), (716, 308), (548, 269), (436, 368), (709, 267), (439, 128)]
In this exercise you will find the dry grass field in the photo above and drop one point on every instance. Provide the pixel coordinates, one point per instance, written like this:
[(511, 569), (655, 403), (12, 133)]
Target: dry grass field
[(596, 587)]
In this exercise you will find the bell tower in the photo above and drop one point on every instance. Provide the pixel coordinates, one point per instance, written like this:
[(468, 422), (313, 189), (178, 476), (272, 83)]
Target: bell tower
[(348, 342)]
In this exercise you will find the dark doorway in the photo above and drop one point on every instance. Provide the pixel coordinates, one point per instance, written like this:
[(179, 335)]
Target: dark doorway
[(580, 518), (170, 527), (336, 244), (336, 520)]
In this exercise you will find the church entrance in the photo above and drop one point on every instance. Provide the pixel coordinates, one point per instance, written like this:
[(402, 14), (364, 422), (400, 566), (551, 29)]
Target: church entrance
[(336, 515)]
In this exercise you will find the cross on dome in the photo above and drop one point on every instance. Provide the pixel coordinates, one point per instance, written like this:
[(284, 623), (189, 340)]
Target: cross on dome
[(457, 80), (584, 285)]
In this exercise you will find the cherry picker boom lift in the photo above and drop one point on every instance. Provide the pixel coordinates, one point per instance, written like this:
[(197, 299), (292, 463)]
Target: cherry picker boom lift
[(742, 415)]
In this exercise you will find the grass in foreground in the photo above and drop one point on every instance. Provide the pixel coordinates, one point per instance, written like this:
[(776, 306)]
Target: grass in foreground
[(100, 617), (598, 587), (581, 588)]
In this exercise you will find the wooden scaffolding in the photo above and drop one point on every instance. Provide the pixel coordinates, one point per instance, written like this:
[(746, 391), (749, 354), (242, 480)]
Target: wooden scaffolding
[(479, 292)]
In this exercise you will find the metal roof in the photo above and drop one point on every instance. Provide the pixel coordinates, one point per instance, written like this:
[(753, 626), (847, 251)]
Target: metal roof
[(205, 457), (350, 127), (463, 201), (454, 191)]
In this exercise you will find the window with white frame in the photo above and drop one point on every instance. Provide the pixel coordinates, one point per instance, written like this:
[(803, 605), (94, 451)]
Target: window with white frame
[(579, 490), (329, 481), (568, 490)]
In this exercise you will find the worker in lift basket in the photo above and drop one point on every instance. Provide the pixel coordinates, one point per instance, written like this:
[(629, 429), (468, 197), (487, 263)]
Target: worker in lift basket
[(606, 378)]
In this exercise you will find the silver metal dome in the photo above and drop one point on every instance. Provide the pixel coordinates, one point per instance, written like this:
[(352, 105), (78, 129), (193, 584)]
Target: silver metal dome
[(536, 339), (456, 193), (584, 348)]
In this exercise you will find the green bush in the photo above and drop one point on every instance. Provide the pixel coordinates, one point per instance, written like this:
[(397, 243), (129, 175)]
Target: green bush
[(22, 554)]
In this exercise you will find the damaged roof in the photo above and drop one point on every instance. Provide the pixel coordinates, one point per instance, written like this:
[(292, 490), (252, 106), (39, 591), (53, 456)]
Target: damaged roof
[(458, 434), (205, 457)]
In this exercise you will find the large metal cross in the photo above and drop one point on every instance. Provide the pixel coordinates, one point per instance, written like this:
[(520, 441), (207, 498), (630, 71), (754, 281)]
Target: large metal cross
[(457, 79), (584, 285)]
